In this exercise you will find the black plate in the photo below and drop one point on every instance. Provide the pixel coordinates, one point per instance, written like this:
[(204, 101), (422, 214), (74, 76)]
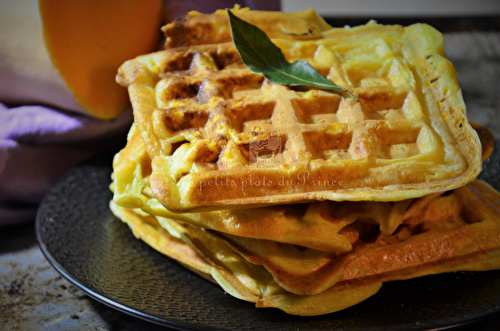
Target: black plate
[(94, 250)]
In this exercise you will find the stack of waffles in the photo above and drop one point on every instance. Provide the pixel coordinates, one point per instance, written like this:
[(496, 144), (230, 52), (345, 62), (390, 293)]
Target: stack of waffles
[(298, 198)]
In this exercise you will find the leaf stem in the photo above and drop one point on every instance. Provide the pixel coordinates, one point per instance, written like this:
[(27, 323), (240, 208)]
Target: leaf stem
[(262, 56)]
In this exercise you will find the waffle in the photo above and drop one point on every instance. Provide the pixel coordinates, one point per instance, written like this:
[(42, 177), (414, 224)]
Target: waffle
[(199, 29), (320, 225), (221, 137), (298, 198), (459, 232), (306, 247), (456, 231), (453, 232)]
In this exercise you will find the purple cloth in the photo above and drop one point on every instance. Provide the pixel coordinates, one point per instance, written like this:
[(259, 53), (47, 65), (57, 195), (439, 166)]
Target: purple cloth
[(39, 144)]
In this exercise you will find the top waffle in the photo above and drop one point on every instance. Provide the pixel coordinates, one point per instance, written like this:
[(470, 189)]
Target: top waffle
[(220, 136), (200, 29)]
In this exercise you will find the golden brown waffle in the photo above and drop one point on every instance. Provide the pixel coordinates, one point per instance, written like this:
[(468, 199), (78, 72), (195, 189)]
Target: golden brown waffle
[(319, 225), (240, 151), (453, 232), (487, 140), (199, 29), (220, 136), (299, 270), (457, 231)]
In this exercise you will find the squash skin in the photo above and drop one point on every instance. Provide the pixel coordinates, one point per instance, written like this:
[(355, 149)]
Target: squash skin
[(66, 54)]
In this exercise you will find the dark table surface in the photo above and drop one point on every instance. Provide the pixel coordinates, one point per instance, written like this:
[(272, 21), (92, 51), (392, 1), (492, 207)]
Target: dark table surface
[(33, 296)]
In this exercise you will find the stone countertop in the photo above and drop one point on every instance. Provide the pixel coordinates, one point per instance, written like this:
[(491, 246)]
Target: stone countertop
[(33, 296)]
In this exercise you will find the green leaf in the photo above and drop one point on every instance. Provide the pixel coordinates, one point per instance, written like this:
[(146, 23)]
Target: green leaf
[(261, 56)]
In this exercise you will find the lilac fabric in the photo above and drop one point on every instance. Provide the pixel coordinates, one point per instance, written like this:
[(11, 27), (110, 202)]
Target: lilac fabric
[(39, 144)]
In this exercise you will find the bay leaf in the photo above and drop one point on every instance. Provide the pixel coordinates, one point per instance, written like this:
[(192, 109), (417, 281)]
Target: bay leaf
[(262, 56)]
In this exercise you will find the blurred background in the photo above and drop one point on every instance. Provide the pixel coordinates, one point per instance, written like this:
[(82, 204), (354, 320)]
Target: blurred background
[(445, 15), (338, 8)]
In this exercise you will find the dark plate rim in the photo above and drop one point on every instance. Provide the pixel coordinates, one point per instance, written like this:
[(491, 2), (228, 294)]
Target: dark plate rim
[(132, 311), (159, 320)]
